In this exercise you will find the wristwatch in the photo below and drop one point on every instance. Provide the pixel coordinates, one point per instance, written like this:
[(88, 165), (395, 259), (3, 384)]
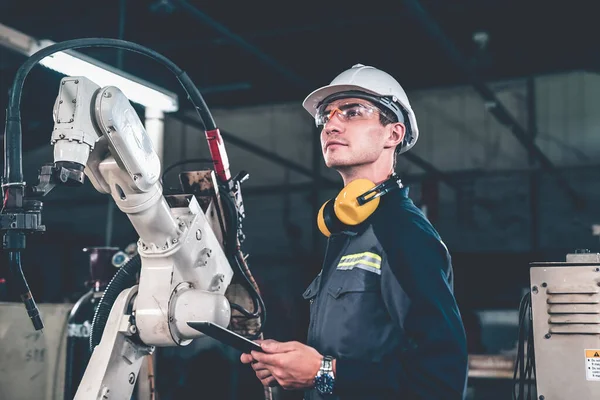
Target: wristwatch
[(325, 381)]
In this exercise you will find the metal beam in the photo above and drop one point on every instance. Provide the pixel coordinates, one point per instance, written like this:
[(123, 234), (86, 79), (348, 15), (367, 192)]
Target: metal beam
[(253, 148), (534, 176), (285, 72), (497, 109), (430, 169), (240, 41)]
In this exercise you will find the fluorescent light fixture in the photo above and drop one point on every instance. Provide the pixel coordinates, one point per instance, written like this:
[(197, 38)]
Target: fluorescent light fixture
[(71, 63), (15, 40)]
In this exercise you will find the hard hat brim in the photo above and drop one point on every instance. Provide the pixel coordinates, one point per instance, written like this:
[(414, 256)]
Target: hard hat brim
[(313, 100)]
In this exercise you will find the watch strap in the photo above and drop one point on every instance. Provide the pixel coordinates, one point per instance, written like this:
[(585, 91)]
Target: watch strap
[(327, 364)]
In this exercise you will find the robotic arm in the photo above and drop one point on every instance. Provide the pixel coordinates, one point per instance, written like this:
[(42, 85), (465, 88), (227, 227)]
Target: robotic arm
[(184, 269), (182, 260)]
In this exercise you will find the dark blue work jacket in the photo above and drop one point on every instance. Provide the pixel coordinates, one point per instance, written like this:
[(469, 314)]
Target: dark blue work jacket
[(383, 306)]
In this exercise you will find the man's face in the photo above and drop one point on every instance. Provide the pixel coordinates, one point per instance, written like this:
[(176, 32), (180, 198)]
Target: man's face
[(352, 134)]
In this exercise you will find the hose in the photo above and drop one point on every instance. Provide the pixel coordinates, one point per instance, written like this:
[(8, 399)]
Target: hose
[(13, 168), (524, 369), (234, 253), (123, 279)]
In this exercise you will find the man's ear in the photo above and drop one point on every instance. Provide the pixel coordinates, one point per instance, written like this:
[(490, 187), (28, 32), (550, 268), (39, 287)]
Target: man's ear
[(396, 134)]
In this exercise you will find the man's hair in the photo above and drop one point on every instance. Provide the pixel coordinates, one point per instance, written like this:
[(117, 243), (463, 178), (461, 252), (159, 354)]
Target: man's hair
[(387, 117)]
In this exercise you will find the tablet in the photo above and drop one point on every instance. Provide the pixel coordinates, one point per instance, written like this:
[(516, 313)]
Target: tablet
[(225, 336)]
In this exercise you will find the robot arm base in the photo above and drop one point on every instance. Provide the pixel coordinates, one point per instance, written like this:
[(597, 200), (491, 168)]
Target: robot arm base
[(116, 361)]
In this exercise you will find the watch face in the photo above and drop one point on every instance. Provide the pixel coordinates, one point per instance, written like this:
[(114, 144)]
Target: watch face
[(324, 383)]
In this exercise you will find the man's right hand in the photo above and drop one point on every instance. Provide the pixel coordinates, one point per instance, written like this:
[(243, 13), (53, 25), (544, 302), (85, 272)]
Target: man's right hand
[(262, 372)]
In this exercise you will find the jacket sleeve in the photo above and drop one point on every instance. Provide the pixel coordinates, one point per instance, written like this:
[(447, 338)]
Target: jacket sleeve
[(431, 361)]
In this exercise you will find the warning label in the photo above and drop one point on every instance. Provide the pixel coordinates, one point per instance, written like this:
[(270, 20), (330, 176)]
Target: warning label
[(592, 364)]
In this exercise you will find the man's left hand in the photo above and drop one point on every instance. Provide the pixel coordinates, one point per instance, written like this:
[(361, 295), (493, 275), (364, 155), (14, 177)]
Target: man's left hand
[(293, 364)]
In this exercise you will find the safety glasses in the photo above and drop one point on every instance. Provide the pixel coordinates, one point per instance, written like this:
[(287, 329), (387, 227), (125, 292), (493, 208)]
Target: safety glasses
[(345, 112)]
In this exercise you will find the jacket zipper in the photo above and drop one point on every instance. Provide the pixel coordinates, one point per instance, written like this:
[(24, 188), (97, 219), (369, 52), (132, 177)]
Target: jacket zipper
[(313, 324), (312, 320)]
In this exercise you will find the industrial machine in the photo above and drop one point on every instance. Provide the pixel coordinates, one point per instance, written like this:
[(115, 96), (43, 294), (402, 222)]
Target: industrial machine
[(559, 344), (187, 252)]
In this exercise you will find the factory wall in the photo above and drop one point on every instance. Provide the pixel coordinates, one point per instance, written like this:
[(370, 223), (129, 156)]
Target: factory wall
[(460, 133)]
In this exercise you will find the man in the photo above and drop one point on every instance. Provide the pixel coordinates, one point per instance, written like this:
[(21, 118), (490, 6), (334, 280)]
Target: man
[(384, 322)]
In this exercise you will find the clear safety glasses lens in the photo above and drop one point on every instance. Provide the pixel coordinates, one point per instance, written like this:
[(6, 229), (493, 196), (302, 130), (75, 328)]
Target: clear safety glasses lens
[(346, 113)]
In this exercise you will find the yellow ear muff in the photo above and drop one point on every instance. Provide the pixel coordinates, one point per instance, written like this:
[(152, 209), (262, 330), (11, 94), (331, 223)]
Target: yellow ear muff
[(321, 224), (346, 205), (354, 204)]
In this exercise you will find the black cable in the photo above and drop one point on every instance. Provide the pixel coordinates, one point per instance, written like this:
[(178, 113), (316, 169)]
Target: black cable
[(231, 251), (13, 168), (260, 309), (530, 371), (231, 245), (522, 351), (519, 360), (525, 363), (22, 288), (261, 306), (124, 278), (191, 89)]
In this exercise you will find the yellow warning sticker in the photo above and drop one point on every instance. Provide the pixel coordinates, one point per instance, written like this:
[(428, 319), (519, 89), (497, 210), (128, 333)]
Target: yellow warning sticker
[(592, 353), (592, 364)]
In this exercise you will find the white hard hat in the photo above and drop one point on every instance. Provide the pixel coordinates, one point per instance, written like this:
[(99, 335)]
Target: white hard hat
[(371, 81)]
